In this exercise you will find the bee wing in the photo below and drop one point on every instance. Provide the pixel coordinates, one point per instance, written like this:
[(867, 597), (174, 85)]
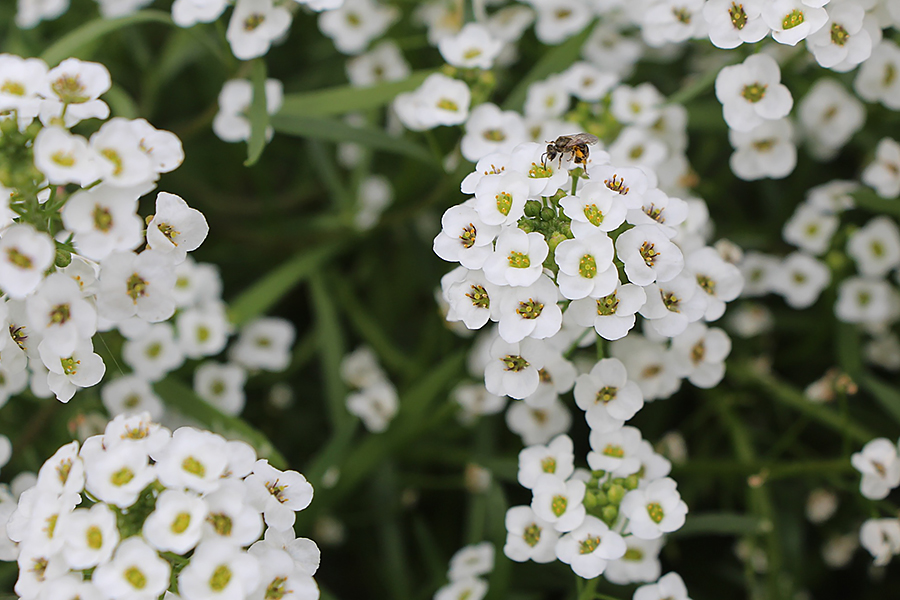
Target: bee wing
[(584, 138)]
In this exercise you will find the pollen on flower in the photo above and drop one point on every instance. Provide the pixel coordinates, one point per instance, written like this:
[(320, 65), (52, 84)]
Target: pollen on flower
[(169, 231), (494, 135), (18, 259), (472, 53), (544, 376), (670, 300), (588, 544), (275, 590), (633, 554), (18, 335), (558, 505), (504, 202), (607, 305), (39, 567), (102, 218), (614, 451), (60, 314), (530, 310), (221, 523), (479, 297), (540, 171), (593, 215), (121, 477), (587, 266), (754, 92), (707, 284), (738, 16), (519, 260), (193, 466), (181, 522), (655, 213), (63, 470), (69, 90), (220, 578), (447, 104), (253, 21), (51, 525), (63, 159), (648, 253), (69, 365), (135, 287), (607, 394), (13, 88), (94, 538), (548, 465), (764, 145), (655, 511), (792, 19), (277, 491), (698, 352), (839, 35), (515, 363), (682, 15), (467, 237), (112, 156), (616, 185), (532, 535)]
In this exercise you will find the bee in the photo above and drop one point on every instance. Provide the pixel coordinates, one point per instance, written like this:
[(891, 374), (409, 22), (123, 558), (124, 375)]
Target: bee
[(572, 147)]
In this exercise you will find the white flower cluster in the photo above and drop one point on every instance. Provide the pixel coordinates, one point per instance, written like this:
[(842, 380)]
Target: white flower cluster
[(879, 464), (467, 567), (140, 510), (374, 399), (610, 520)]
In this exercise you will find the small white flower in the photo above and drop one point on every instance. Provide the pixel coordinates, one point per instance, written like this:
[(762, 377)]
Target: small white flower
[(230, 516), (556, 458), (538, 425), (472, 48), (75, 86), (810, 229), (277, 494), (721, 280), (842, 42), (222, 385), (530, 311), (356, 23), (120, 161), (104, 219), (376, 405), (471, 561), (135, 572), (876, 80), (881, 537), (70, 370), (176, 522), (90, 536), (558, 20), (880, 467), (63, 157), (176, 228), (136, 285), (612, 316), (513, 368), (529, 537), (654, 510), (59, 312), (559, 502), (752, 93), (732, 24), (671, 306), (607, 396), (384, 62), (767, 150), (793, 20), (637, 105), (490, 129), (471, 588), (24, 256), (596, 208), (218, 570), (587, 82), (648, 255), (615, 451), (669, 587), (231, 123), (866, 300), (649, 365), (155, 353), (264, 343), (193, 459), (590, 547), (700, 353), (117, 477), (254, 25), (586, 267), (203, 330), (884, 174), (517, 259), (639, 564)]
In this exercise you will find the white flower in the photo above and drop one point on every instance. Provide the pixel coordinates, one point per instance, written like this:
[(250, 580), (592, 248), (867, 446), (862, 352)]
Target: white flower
[(176, 228), (660, 209), (810, 229), (129, 395), (792, 20), (821, 505), (669, 587), (648, 255), (155, 353), (638, 147), (700, 353), (557, 20), (500, 199), (186, 13), (384, 62), (465, 238), (104, 219), (880, 467), (654, 510), (607, 396), (472, 48), (517, 259), (672, 21), (529, 537), (639, 564), (672, 305), (280, 576), (615, 451), (596, 208), (136, 572), (721, 280), (475, 401), (222, 385), (767, 150), (117, 477), (139, 285), (544, 178), (218, 570), (471, 588), (193, 459), (876, 80), (530, 311), (70, 370), (62, 473), (352, 26), (74, 86), (833, 196), (637, 105), (90, 536), (881, 537), (376, 405), (866, 300), (360, 368), (264, 343), (612, 316), (471, 561), (752, 93), (120, 161), (841, 43), (513, 368), (538, 425), (277, 494), (559, 502), (231, 123), (884, 174), (230, 517), (732, 24), (586, 267), (203, 331), (24, 256), (63, 157), (176, 522), (649, 365), (21, 80), (760, 273), (587, 82), (590, 547), (490, 129), (800, 279), (254, 25), (556, 458), (59, 312)]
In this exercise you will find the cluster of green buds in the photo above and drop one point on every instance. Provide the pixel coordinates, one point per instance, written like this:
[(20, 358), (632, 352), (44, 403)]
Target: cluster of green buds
[(547, 218), (596, 118), (481, 83), (605, 493)]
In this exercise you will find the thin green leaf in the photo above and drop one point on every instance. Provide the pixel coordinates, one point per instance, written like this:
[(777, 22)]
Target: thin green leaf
[(347, 98), (887, 396), (179, 396), (121, 104), (334, 130), (330, 340), (267, 291), (720, 524), (258, 114), (869, 200), (72, 43), (556, 60)]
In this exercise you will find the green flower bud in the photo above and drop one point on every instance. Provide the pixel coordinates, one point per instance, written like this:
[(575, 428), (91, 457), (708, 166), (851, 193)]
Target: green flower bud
[(631, 482), (547, 214), (532, 208), (616, 493), (601, 498), (609, 514), (590, 501), (63, 258)]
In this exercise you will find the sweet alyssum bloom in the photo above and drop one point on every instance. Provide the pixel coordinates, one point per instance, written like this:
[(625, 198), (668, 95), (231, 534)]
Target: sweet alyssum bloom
[(136, 284), (222, 385), (530, 311), (119, 159), (264, 343), (639, 564), (752, 93), (277, 494), (231, 123), (793, 20), (586, 267), (720, 280), (866, 300), (588, 82), (176, 523), (648, 255), (69, 370), (529, 537), (538, 425), (63, 157), (654, 510), (500, 199), (884, 173), (517, 259), (589, 548), (471, 588), (490, 129), (375, 404), (116, 476), (615, 451), (734, 23), (74, 87), (25, 254), (875, 81), (607, 396), (829, 116), (596, 208), (559, 20), (90, 536), (669, 587), (881, 537), (154, 353), (471, 561), (556, 458), (218, 569), (514, 368), (673, 21), (440, 100), (131, 394), (638, 105), (193, 459), (254, 25), (465, 238), (875, 247), (612, 316), (135, 572), (356, 23), (176, 228), (880, 467), (472, 48), (203, 330), (810, 229), (767, 150), (559, 502), (384, 62), (800, 279), (103, 220), (61, 314), (672, 305), (842, 43), (700, 352)]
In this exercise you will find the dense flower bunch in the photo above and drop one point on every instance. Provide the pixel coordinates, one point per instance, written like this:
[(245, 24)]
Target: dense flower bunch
[(140, 510)]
